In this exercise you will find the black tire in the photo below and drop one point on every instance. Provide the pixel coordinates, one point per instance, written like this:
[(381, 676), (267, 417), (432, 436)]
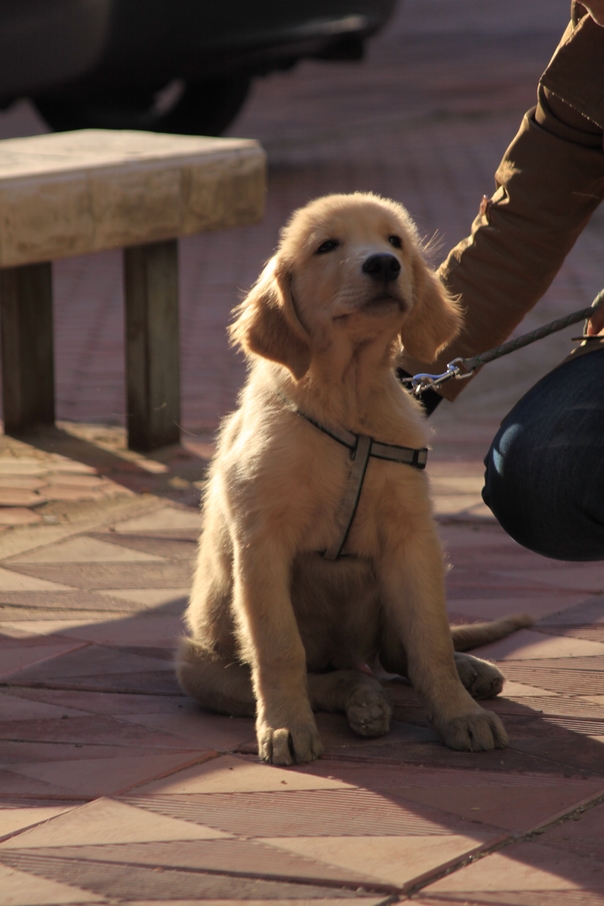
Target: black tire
[(199, 108)]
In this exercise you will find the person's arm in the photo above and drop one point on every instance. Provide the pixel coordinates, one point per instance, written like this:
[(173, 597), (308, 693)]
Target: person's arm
[(549, 183)]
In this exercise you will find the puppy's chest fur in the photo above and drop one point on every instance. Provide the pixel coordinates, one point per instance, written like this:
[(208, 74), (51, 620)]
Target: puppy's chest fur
[(293, 477), (391, 497), (337, 608)]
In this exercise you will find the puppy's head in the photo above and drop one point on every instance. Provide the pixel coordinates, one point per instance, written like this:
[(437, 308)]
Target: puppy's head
[(347, 264)]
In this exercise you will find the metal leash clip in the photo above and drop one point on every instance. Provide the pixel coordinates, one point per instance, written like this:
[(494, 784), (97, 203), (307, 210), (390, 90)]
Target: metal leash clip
[(420, 382)]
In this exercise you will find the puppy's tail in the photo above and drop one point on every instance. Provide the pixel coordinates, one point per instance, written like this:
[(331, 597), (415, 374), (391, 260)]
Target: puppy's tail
[(475, 634)]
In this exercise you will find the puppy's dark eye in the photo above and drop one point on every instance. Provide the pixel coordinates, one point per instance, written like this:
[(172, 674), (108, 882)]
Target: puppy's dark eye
[(328, 246), (395, 241)]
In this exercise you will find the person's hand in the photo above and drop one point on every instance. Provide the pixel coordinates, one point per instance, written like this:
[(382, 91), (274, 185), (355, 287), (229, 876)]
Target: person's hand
[(595, 326)]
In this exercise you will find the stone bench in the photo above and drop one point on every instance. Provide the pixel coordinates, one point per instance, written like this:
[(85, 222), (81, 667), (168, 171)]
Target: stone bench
[(72, 193)]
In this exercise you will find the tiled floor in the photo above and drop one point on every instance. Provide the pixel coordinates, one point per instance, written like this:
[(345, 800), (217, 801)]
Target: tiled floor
[(114, 787), (117, 788)]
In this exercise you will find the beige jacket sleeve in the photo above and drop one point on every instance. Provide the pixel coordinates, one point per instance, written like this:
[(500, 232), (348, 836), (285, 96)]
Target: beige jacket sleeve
[(549, 183)]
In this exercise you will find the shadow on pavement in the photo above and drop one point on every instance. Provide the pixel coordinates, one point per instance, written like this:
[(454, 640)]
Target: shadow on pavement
[(176, 472)]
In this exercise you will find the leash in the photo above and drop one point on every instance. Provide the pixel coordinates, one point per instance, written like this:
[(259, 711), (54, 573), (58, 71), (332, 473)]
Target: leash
[(462, 369), (362, 447)]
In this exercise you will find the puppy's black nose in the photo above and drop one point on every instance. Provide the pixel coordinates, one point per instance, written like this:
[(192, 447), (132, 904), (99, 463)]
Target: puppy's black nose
[(382, 268)]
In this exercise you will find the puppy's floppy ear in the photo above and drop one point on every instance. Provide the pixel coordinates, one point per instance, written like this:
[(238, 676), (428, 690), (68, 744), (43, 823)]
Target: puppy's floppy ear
[(267, 323), (435, 317)]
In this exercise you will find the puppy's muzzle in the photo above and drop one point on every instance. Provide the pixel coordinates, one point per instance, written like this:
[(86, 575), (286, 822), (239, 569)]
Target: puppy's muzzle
[(381, 268)]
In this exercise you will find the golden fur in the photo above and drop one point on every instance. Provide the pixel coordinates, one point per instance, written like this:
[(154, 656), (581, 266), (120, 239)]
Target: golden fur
[(275, 629)]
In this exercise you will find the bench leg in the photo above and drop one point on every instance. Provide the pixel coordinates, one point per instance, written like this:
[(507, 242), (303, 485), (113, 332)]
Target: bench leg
[(27, 347), (152, 345)]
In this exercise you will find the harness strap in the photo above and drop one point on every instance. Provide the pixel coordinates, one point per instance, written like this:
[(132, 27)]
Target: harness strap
[(410, 456), (350, 501), (361, 447), (346, 438)]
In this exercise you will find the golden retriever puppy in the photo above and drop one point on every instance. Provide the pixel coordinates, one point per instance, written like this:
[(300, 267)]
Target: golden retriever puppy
[(282, 622)]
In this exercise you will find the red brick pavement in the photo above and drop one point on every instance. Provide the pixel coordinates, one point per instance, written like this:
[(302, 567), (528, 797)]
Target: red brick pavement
[(116, 788)]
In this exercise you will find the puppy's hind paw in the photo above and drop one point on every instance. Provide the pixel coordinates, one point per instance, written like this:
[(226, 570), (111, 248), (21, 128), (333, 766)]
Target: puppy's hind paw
[(481, 679), (289, 745), (478, 731), (368, 711)]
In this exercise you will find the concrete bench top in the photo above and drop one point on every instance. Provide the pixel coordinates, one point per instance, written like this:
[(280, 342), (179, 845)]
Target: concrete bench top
[(69, 193)]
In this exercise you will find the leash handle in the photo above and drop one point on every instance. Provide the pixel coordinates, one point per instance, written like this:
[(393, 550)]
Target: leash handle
[(461, 369)]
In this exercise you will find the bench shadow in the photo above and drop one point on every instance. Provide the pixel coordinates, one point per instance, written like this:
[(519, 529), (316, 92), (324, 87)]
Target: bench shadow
[(176, 472)]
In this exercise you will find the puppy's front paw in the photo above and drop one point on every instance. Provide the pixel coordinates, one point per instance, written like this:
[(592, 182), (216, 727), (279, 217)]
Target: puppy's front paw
[(476, 731), (368, 711), (481, 679), (296, 744)]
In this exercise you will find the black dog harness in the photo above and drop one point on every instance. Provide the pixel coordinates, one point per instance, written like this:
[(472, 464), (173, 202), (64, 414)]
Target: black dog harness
[(361, 447)]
